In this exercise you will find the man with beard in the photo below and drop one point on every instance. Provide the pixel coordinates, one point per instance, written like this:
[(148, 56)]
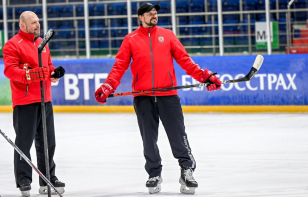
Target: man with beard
[(152, 49), (21, 63)]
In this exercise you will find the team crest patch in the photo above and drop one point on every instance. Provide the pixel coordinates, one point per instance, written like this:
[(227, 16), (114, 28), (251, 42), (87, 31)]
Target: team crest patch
[(44, 50), (161, 39)]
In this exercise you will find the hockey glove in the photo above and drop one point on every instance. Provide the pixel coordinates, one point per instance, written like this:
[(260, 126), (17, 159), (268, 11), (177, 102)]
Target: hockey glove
[(59, 72), (36, 74), (209, 77), (103, 92)]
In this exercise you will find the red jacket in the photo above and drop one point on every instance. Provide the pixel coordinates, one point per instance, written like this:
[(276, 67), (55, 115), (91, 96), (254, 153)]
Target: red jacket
[(22, 49), (152, 50)]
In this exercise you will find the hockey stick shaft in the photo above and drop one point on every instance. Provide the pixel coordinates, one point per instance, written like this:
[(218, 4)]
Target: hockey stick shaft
[(157, 90), (253, 71), (43, 43), (29, 162)]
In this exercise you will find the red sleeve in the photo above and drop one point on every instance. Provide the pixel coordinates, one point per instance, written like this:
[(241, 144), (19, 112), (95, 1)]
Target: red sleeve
[(11, 64), (122, 61), (182, 58)]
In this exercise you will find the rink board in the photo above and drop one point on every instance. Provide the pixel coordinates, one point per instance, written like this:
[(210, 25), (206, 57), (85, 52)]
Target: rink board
[(281, 82), (186, 109)]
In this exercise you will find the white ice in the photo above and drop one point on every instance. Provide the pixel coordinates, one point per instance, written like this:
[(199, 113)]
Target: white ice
[(238, 155)]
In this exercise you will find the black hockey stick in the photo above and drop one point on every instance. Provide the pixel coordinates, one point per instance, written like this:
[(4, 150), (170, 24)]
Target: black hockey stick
[(45, 40), (256, 66), (30, 163)]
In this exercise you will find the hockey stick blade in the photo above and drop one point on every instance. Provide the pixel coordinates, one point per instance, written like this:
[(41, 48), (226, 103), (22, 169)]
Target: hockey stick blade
[(255, 68), (29, 162), (46, 39)]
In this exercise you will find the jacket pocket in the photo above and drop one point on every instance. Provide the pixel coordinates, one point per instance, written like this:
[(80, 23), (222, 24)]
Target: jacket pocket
[(22, 87), (170, 79)]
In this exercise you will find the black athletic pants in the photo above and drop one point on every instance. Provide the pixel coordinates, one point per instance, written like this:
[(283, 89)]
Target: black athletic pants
[(168, 108), (27, 121)]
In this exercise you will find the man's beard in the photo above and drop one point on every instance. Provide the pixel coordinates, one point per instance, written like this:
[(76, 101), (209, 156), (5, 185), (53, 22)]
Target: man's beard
[(36, 35), (150, 24)]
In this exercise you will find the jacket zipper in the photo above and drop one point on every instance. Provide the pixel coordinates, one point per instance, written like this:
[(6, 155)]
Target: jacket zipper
[(28, 84), (27, 89), (170, 78), (136, 81), (152, 62)]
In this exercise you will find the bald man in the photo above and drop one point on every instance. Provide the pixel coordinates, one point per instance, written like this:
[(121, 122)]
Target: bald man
[(20, 59), (29, 23)]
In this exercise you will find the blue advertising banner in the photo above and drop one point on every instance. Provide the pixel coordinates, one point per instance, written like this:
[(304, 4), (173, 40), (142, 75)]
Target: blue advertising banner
[(282, 80)]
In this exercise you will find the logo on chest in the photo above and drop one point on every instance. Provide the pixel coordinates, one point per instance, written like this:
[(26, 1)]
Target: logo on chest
[(161, 39), (44, 50)]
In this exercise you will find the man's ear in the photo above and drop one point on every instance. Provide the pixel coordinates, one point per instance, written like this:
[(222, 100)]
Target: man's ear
[(140, 18), (22, 26)]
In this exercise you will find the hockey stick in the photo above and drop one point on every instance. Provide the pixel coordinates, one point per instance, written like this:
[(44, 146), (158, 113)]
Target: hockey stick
[(256, 66), (45, 40), (29, 162)]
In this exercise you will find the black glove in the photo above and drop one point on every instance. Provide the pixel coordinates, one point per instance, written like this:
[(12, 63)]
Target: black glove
[(59, 72)]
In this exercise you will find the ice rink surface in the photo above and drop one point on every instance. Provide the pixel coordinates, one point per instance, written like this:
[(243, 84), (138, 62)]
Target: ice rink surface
[(238, 155)]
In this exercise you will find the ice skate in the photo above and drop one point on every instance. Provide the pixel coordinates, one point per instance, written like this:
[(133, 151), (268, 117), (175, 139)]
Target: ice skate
[(25, 189), (57, 184), (187, 181), (154, 184)]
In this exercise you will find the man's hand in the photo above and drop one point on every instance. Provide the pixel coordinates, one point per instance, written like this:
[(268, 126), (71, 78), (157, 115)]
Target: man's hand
[(215, 83), (53, 80), (36, 74), (103, 92)]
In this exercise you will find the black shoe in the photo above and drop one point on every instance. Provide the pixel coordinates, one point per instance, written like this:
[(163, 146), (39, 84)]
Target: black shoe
[(187, 181), (58, 183), (187, 177), (154, 184), (25, 187), (154, 181)]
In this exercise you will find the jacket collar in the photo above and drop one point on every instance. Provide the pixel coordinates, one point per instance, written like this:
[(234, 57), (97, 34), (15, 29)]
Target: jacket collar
[(146, 30), (28, 36)]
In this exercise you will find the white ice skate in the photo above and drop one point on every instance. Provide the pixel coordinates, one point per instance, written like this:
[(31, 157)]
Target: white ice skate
[(43, 190), (187, 181), (154, 184), (57, 184), (25, 189), (25, 193)]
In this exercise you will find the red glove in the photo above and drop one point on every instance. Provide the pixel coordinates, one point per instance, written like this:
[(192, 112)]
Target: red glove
[(36, 74), (103, 92), (208, 76)]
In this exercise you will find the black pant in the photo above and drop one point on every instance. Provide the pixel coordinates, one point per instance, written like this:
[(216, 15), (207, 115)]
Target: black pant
[(27, 121), (168, 108)]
